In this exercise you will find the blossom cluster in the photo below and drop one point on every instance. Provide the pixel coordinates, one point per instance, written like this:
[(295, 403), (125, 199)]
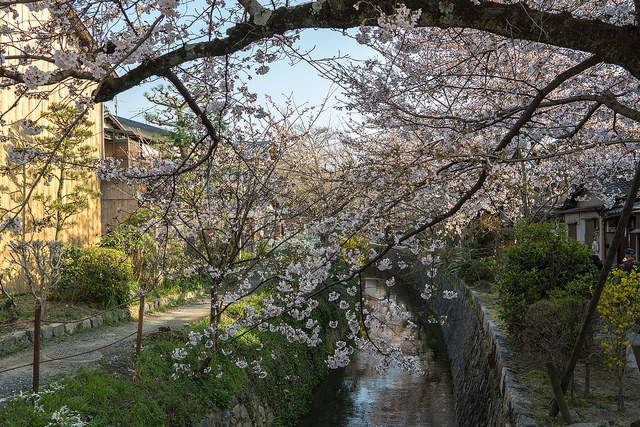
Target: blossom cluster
[(34, 77)]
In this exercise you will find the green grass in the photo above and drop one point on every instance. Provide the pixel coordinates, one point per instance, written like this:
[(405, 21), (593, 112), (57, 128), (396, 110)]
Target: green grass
[(151, 398)]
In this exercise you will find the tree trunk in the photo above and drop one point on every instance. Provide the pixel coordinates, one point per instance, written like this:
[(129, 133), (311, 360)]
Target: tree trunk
[(213, 312), (602, 279), (621, 392), (587, 376), (59, 220)]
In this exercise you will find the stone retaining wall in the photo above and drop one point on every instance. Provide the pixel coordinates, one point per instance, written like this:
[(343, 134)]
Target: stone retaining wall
[(249, 413), (24, 339), (487, 390)]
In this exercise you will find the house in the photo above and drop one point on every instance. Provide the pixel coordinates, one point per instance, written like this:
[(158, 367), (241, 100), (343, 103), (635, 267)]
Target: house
[(593, 223), (17, 110), (130, 142)]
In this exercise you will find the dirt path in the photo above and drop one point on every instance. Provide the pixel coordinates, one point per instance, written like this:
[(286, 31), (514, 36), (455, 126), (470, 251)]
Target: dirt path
[(13, 381)]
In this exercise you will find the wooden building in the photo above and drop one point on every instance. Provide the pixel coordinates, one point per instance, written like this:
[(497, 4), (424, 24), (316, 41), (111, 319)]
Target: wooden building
[(130, 142), (15, 110), (589, 221)]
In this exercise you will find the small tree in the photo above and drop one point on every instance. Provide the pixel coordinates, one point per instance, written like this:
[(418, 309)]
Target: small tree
[(620, 310), (72, 159), (551, 325), (41, 262)]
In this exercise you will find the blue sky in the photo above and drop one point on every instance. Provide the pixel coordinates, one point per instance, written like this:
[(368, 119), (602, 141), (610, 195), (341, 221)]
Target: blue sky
[(300, 80)]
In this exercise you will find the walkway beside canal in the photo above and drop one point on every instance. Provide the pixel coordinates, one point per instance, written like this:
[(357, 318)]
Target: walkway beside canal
[(13, 381)]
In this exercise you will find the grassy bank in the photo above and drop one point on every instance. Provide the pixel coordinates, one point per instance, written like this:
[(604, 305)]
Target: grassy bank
[(139, 392)]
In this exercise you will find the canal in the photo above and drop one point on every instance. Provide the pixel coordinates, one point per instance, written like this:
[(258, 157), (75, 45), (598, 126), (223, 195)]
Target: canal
[(359, 395)]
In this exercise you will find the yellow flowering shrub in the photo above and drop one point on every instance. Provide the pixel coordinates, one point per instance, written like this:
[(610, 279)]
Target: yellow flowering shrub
[(619, 310), (355, 249)]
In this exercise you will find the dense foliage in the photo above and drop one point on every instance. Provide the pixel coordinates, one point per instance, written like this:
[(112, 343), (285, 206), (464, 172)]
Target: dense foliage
[(100, 276), (133, 237), (542, 259), (551, 325), (468, 261)]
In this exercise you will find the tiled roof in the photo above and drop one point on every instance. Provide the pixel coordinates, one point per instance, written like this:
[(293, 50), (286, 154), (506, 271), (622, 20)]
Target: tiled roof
[(144, 128), (617, 187)]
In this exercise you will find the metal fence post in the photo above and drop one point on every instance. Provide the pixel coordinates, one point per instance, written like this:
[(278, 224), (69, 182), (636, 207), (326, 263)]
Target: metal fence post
[(36, 347), (140, 320)]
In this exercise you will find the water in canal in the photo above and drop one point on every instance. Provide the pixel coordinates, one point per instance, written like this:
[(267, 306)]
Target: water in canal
[(360, 396)]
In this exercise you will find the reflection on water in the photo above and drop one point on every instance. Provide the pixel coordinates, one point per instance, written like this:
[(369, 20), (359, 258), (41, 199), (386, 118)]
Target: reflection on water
[(360, 396)]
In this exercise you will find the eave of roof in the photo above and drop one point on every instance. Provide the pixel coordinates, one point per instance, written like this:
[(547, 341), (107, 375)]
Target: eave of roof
[(135, 124), (617, 210), (578, 210)]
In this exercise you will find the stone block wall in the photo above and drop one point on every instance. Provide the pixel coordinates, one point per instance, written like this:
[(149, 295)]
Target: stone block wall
[(487, 390)]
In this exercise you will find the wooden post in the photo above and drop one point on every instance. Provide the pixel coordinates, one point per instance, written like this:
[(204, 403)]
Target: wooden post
[(36, 347), (140, 321), (557, 391)]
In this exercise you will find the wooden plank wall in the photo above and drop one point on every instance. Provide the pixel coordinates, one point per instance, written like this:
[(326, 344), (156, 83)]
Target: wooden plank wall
[(87, 225)]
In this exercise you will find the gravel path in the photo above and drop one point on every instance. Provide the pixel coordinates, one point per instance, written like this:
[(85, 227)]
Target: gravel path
[(13, 381)]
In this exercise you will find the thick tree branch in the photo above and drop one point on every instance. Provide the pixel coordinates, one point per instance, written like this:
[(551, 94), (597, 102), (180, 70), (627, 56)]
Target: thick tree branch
[(55, 78), (252, 7), (542, 94), (613, 44)]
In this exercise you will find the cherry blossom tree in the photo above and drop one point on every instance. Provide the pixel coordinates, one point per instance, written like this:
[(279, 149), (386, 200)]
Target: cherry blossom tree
[(229, 212), (88, 42), (470, 105)]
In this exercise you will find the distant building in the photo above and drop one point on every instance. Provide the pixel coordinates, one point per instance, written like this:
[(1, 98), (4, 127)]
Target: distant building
[(589, 221), (130, 142)]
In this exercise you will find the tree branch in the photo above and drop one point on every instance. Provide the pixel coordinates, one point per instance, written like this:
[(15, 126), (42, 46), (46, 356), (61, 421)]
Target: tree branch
[(535, 103), (613, 44)]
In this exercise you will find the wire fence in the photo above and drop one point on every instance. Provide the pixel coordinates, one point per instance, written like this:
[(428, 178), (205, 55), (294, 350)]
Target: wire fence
[(37, 321)]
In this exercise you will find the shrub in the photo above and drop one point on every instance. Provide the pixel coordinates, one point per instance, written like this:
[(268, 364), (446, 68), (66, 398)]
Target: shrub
[(468, 262), (542, 259), (133, 238), (619, 309), (551, 326), (100, 276)]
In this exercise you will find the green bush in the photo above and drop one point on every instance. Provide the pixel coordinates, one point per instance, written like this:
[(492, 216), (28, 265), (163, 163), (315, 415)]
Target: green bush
[(551, 326), (133, 238), (100, 276), (543, 259)]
